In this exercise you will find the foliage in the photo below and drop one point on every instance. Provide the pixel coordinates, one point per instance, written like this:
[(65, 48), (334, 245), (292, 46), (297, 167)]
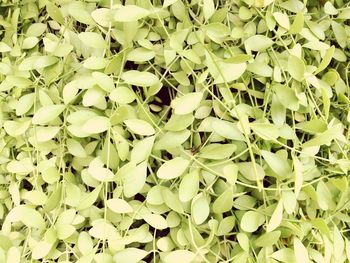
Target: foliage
[(174, 131)]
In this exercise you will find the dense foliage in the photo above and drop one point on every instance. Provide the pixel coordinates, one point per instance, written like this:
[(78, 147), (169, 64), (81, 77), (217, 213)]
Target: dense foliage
[(174, 131)]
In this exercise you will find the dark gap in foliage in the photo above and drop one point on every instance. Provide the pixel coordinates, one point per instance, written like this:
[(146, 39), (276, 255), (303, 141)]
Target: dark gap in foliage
[(140, 197), (149, 258), (164, 96), (162, 233), (130, 65), (27, 185)]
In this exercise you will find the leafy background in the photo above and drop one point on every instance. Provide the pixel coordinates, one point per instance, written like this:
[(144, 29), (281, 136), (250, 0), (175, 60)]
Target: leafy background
[(174, 131)]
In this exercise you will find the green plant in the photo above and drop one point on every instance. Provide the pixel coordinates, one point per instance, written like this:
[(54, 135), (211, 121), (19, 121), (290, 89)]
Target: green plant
[(166, 131)]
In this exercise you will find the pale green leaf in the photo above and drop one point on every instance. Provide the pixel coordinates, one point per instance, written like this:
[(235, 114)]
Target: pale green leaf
[(296, 68), (47, 114), (258, 43), (227, 129), (216, 151), (140, 127), (135, 179), (224, 202), (251, 221), (279, 165), (176, 256), (189, 186), (130, 13), (200, 209), (187, 103), (118, 205), (300, 252), (173, 168), (156, 221), (138, 78), (96, 124), (92, 39), (276, 217)]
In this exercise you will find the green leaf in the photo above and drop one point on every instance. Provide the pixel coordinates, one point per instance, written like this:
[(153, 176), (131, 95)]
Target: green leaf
[(251, 221), (140, 127), (44, 134), (200, 209), (208, 8), (223, 72), (282, 19), (216, 32), (102, 229), (25, 103), (296, 68), (243, 241), (140, 55), (287, 97), (339, 33), (284, 255), (227, 130), (92, 39), (156, 221), (226, 225), (102, 16), (276, 217), (138, 78), (298, 23), (135, 179), (142, 149), (262, 3), (90, 198), (321, 225), (189, 186), (37, 62), (266, 131), (278, 112), (104, 81), (338, 243), (4, 47), (183, 256), (75, 148), (27, 215), (257, 43), (216, 151), (79, 11), (279, 165), (326, 59), (187, 103), (267, 239), (98, 172), (300, 251), (54, 12), (96, 124), (168, 3), (47, 114), (324, 197), (172, 201), (41, 249), (85, 243), (177, 39), (130, 13), (122, 95), (172, 140), (179, 122), (224, 202), (118, 205), (250, 171), (173, 168), (325, 137)]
